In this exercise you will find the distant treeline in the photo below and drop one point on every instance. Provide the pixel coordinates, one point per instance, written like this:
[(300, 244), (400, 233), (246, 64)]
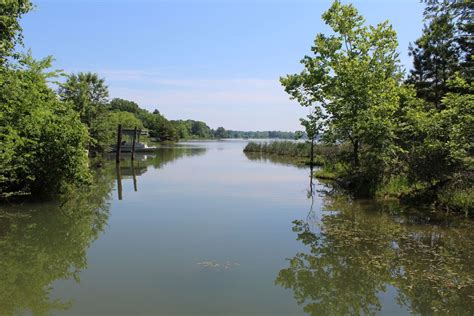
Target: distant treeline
[(162, 129), (223, 133)]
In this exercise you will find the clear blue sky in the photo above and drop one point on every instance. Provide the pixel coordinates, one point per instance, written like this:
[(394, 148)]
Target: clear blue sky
[(216, 61)]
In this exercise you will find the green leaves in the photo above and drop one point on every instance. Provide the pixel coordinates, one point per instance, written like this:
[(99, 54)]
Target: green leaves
[(10, 29), (88, 94), (42, 139), (353, 79)]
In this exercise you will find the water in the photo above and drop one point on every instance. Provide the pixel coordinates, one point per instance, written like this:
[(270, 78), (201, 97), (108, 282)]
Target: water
[(203, 229)]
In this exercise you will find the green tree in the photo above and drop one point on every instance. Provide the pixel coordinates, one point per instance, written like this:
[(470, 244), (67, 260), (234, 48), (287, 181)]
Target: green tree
[(220, 133), (126, 119), (313, 124), (88, 95), (125, 105), (200, 129), (354, 76), (10, 29), (435, 59), (41, 138), (461, 12), (181, 129)]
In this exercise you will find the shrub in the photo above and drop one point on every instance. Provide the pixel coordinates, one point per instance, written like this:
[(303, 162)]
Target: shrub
[(41, 138)]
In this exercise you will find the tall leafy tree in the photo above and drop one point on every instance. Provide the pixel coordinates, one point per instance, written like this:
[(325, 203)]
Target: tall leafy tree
[(461, 12), (354, 76), (445, 48), (435, 59), (10, 29), (88, 94), (220, 132), (124, 105)]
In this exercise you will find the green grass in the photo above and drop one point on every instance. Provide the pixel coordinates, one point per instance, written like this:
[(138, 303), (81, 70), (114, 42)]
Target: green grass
[(325, 175), (460, 200), (298, 151), (282, 148)]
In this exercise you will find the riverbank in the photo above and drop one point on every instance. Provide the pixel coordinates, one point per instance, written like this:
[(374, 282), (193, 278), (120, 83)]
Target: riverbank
[(455, 194), (299, 152)]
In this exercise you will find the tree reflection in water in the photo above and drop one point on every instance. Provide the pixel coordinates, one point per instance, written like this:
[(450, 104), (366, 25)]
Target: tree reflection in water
[(363, 248), (42, 243), (45, 242)]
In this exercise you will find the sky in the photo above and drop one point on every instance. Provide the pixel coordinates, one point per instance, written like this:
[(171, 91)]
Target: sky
[(218, 61)]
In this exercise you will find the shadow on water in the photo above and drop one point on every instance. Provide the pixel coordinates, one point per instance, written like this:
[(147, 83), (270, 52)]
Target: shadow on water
[(360, 253)]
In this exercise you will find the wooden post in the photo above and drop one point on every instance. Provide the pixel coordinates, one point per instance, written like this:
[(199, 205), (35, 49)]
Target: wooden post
[(133, 142), (119, 181), (119, 143), (134, 178)]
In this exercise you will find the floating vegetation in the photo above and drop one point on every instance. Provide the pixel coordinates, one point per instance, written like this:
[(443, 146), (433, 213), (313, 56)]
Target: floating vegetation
[(218, 266)]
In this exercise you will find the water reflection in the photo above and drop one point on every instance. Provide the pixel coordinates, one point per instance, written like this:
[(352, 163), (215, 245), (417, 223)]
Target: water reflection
[(46, 242), (128, 168), (42, 243), (275, 159), (359, 252)]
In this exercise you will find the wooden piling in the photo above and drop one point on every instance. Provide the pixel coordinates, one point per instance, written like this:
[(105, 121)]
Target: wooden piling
[(119, 181), (133, 143), (135, 188), (119, 143)]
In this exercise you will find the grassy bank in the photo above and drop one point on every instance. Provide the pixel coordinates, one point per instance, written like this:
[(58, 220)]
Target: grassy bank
[(454, 194), (297, 151)]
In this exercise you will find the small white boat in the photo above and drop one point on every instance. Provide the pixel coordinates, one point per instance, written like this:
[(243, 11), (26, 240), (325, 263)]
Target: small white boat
[(126, 147)]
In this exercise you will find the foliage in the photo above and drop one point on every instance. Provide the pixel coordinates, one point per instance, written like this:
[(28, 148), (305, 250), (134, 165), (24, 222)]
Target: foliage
[(42, 139), (220, 133), (10, 29), (193, 129), (354, 76), (118, 104), (314, 124), (460, 11), (260, 134), (435, 146), (435, 59), (284, 148), (156, 123), (324, 153), (88, 95), (126, 119), (411, 141)]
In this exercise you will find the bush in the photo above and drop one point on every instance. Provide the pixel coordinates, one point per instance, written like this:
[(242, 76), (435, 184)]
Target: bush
[(41, 138)]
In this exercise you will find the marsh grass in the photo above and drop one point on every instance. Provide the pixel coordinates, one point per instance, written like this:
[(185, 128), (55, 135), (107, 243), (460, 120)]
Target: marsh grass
[(299, 151)]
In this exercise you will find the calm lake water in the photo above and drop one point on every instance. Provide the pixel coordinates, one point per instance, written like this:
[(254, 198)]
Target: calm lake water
[(200, 228)]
